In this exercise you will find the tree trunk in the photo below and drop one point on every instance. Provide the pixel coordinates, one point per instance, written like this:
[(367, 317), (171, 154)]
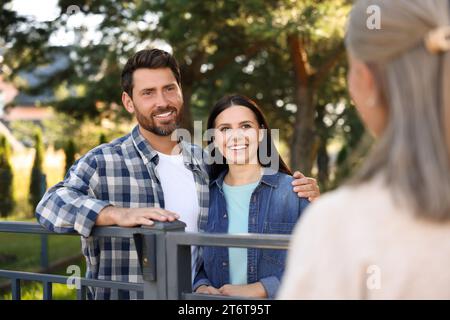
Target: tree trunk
[(303, 140), (302, 146), (186, 121), (323, 158), (323, 161), (190, 74)]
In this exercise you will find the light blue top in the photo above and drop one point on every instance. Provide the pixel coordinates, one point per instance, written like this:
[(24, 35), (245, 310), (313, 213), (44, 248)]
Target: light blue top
[(238, 206)]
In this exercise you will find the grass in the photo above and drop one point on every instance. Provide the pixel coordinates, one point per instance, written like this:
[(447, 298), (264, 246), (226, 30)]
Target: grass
[(21, 252), (26, 250), (34, 291), (24, 253)]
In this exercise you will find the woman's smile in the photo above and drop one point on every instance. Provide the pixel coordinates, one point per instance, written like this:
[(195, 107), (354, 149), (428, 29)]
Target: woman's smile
[(238, 147)]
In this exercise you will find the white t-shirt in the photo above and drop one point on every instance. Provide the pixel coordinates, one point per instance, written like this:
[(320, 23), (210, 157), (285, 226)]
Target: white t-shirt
[(180, 193)]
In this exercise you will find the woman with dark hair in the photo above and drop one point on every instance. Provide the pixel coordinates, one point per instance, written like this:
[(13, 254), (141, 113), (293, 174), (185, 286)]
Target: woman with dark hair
[(250, 192)]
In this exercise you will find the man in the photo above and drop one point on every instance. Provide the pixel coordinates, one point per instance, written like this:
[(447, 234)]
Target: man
[(142, 177)]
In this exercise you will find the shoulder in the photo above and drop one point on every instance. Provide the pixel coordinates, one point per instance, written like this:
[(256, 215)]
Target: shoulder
[(285, 186), (115, 147), (282, 193), (355, 207), (195, 152), (281, 182), (276, 179), (104, 151), (193, 149), (284, 179)]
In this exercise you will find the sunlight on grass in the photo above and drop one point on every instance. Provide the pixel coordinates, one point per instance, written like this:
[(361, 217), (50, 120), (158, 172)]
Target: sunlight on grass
[(34, 291)]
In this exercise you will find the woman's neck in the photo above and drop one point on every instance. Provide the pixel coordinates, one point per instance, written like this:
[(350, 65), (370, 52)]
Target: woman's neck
[(243, 174)]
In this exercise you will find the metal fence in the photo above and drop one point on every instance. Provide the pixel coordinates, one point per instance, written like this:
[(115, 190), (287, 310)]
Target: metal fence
[(164, 252)]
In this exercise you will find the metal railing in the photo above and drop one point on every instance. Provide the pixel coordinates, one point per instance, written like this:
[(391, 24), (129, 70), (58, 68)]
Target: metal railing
[(164, 252)]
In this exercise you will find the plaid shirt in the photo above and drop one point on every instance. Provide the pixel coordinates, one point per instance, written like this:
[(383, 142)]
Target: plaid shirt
[(121, 173)]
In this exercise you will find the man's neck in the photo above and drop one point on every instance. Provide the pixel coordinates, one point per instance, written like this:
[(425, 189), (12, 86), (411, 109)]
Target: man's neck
[(163, 144)]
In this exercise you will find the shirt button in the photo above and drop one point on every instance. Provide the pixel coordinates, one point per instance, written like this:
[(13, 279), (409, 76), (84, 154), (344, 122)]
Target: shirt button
[(224, 264), (225, 215)]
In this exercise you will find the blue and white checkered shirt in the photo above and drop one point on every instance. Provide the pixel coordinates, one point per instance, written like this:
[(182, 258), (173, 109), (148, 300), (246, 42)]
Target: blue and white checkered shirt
[(121, 173)]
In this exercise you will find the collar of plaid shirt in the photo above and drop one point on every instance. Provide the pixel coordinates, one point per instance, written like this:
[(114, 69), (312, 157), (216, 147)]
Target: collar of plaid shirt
[(193, 157)]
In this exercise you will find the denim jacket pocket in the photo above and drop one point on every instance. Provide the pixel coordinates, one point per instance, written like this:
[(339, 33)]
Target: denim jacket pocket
[(278, 227), (274, 258)]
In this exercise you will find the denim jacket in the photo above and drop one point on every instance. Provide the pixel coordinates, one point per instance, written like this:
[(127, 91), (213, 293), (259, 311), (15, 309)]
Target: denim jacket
[(274, 209)]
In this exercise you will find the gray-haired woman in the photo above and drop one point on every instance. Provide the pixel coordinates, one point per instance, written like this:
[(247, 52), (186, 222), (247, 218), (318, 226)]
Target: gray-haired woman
[(386, 235)]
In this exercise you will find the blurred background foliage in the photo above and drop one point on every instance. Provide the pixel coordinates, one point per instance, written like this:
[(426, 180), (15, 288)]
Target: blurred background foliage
[(287, 55)]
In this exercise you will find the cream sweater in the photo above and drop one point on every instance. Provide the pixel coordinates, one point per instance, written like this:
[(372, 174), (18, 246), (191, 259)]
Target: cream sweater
[(358, 243)]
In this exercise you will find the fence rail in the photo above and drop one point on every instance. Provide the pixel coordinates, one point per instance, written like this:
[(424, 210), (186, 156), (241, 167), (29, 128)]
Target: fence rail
[(164, 252)]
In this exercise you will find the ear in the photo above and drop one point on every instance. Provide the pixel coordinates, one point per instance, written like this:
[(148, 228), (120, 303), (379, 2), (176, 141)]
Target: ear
[(181, 93), (127, 102), (368, 81)]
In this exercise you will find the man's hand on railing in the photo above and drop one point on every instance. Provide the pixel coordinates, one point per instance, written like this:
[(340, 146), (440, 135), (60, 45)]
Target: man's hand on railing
[(132, 217)]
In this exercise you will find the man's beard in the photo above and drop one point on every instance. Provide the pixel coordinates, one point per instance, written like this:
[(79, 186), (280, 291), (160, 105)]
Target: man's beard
[(166, 129)]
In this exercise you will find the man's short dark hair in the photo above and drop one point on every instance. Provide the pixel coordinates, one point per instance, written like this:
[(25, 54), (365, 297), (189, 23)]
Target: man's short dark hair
[(148, 59)]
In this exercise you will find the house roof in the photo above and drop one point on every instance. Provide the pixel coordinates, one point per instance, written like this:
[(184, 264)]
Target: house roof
[(28, 113)]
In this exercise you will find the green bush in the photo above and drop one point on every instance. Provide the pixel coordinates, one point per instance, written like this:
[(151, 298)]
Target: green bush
[(102, 139), (37, 183), (69, 151), (6, 179)]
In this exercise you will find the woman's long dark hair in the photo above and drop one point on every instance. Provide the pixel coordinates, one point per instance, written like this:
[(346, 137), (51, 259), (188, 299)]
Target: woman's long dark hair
[(240, 100)]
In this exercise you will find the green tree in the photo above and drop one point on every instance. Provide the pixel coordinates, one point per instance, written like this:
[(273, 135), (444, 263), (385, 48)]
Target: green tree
[(6, 179), (282, 53), (69, 151), (37, 182), (23, 41)]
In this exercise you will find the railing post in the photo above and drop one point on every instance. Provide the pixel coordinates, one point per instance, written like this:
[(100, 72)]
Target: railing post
[(44, 251), (15, 289), (44, 237), (179, 267), (81, 293), (47, 287), (153, 253)]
